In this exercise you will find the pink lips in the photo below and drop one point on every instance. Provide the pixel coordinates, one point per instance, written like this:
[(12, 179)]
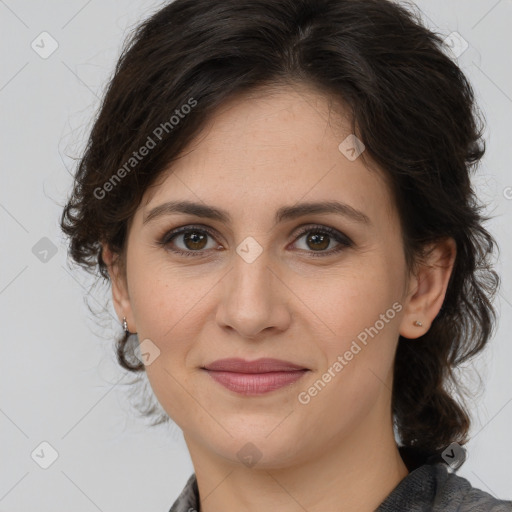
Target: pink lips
[(254, 377)]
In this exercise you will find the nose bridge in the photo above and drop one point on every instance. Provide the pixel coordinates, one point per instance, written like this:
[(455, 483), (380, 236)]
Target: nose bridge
[(252, 300), (251, 286)]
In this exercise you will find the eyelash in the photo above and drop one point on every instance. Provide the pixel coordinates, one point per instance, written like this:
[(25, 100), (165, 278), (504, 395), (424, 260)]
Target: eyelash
[(343, 240)]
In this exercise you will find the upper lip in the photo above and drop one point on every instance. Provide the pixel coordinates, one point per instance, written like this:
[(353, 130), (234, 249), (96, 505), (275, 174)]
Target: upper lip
[(262, 365)]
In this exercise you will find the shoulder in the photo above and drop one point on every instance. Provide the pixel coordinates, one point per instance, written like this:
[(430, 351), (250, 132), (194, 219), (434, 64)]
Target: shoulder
[(188, 500), (431, 487), (460, 493)]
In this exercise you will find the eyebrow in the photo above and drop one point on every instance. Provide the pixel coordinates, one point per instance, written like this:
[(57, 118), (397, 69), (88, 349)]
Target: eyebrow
[(283, 214)]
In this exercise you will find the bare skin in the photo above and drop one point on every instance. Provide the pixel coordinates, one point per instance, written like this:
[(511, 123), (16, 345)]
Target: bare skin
[(298, 300)]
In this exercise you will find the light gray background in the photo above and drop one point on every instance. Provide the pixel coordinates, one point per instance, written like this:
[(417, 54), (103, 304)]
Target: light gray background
[(60, 381)]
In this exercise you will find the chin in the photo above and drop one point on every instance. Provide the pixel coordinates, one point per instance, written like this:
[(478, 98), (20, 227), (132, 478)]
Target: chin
[(260, 450)]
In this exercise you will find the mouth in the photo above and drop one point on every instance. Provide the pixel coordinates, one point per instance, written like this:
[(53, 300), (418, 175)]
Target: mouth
[(254, 377)]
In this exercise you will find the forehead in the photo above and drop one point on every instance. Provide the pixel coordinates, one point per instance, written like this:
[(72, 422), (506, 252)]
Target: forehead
[(273, 147)]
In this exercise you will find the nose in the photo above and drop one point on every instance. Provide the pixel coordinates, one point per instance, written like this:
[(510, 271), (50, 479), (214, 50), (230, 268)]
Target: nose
[(255, 301)]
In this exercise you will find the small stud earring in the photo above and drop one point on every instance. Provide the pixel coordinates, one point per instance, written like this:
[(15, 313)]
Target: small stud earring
[(125, 326), (418, 323)]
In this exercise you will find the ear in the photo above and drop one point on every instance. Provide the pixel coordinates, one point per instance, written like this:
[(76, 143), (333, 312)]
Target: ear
[(427, 288), (120, 296)]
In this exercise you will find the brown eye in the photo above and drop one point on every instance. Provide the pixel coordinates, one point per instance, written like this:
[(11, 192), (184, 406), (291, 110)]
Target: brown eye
[(318, 239), (194, 240), (189, 241)]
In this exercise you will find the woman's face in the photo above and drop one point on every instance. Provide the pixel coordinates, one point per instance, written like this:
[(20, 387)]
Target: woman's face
[(325, 290)]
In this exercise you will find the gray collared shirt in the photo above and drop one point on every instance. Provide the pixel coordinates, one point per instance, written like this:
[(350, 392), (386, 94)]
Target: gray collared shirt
[(429, 488)]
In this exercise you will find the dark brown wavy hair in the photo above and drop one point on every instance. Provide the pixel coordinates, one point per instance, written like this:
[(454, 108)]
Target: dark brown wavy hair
[(408, 101)]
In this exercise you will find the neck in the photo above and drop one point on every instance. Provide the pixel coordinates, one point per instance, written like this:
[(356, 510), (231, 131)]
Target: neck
[(353, 473)]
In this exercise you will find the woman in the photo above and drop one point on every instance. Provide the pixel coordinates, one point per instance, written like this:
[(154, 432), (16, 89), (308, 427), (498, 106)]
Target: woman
[(279, 193)]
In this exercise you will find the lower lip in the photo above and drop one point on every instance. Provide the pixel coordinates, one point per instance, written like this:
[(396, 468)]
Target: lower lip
[(255, 383)]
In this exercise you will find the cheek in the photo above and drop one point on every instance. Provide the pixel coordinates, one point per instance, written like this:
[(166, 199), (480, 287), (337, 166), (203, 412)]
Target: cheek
[(174, 390), (360, 315), (351, 299), (160, 295), (167, 310), (358, 367)]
